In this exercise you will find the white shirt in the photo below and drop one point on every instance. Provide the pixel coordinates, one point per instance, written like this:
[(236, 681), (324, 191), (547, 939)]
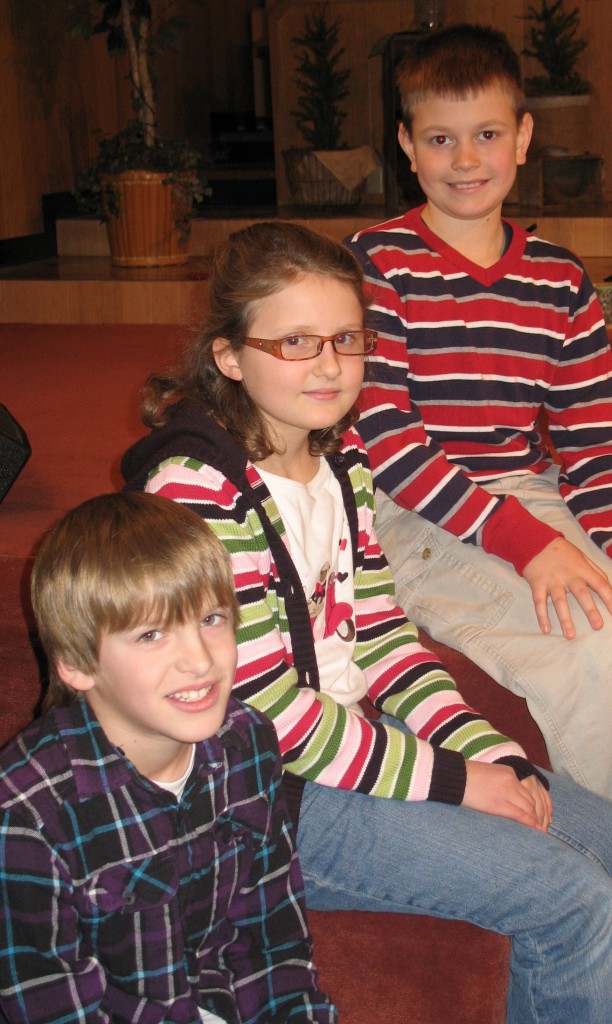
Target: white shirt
[(319, 542)]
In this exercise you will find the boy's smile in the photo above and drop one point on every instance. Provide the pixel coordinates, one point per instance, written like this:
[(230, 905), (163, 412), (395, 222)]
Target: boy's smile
[(160, 688), (465, 153)]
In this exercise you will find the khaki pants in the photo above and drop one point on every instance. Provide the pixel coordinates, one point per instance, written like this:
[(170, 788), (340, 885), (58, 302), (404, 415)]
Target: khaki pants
[(477, 604)]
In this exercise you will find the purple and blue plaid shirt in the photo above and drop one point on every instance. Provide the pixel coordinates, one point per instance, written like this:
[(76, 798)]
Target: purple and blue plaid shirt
[(120, 904)]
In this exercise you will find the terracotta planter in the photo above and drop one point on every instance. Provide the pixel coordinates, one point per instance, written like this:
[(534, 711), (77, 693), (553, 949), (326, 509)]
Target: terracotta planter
[(152, 228)]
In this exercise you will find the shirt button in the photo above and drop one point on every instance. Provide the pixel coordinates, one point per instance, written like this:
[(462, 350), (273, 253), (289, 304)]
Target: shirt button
[(129, 899), (426, 554)]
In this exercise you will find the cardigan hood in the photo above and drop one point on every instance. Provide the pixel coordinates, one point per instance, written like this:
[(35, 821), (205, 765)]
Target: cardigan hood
[(189, 431)]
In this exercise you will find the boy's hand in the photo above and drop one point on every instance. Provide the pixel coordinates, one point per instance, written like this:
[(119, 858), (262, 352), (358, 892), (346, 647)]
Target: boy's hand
[(495, 789), (559, 569)]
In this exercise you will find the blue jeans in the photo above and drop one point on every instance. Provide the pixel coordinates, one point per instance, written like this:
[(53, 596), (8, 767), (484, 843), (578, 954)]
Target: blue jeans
[(552, 894)]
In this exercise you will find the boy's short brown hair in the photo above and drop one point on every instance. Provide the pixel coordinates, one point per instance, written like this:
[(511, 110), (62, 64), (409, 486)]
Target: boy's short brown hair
[(455, 62), (116, 561)]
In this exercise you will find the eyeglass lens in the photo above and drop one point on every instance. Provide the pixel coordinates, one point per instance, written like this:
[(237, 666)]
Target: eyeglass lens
[(305, 346)]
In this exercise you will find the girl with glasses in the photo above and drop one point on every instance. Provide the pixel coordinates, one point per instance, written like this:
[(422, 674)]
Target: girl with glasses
[(255, 431)]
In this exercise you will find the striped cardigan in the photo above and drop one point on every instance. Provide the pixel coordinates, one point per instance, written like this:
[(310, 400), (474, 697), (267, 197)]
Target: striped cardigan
[(193, 460), (465, 359)]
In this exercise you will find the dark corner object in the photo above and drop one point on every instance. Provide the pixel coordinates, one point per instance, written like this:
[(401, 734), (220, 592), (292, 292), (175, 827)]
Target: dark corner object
[(15, 450)]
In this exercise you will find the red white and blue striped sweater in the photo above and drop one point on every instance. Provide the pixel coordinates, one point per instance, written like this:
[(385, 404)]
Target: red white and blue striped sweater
[(465, 359), (194, 461)]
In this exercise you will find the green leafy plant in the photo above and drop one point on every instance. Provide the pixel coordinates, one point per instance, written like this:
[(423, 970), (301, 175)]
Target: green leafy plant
[(323, 85), (142, 29), (553, 43), (126, 151)]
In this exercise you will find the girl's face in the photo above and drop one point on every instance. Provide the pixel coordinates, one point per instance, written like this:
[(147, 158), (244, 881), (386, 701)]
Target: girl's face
[(299, 396)]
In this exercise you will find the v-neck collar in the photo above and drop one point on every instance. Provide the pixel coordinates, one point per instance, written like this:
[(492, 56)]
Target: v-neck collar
[(486, 276)]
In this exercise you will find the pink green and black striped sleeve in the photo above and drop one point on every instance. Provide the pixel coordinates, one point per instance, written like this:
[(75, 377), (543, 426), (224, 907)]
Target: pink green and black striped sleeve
[(319, 739)]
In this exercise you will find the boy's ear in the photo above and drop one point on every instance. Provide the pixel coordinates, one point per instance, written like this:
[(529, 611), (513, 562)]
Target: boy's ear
[(523, 137), (406, 143), (226, 359), (73, 677)]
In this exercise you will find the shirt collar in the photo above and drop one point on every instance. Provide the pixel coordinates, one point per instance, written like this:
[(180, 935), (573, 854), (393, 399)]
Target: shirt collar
[(96, 763)]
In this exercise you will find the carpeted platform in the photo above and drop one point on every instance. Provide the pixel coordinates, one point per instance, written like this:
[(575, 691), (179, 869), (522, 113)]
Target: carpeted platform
[(74, 390)]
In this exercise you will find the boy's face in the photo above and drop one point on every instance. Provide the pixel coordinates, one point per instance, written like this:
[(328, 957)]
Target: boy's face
[(159, 689), (465, 152)]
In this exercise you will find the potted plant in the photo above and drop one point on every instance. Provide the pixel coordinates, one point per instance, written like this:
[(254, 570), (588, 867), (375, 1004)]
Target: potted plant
[(325, 172), (553, 42), (141, 186)]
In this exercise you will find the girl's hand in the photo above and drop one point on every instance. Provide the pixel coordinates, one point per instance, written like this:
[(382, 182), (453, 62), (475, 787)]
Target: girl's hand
[(561, 569), (495, 789)]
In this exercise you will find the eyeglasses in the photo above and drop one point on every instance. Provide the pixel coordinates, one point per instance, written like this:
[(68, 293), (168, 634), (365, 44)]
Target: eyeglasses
[(309, 346)]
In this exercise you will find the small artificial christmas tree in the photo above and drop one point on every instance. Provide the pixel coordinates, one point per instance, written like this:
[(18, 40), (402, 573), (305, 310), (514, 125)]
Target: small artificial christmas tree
[(552, 41), (322, 84)]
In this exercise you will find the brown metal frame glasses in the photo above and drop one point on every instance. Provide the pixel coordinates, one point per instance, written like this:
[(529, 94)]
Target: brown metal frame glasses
[(309, 346)]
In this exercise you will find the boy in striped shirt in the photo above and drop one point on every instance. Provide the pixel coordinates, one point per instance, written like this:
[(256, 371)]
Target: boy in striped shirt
[(480, 325)]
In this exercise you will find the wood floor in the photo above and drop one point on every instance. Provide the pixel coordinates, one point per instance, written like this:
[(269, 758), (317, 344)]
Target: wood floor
[(81, 286)]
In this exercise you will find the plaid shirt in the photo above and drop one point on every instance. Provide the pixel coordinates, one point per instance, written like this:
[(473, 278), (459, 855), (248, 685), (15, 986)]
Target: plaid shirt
[(118, 903)]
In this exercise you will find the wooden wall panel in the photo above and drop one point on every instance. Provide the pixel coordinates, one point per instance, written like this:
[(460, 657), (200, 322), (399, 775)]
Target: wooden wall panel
[(11, 155), (56, 92), (596, 21)]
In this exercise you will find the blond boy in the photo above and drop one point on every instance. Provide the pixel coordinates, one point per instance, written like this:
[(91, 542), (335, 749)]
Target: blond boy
[(147, 871)]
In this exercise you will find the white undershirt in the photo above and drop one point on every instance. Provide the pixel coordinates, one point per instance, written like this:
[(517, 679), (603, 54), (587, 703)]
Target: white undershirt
[(177, 786), (319, 542)]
